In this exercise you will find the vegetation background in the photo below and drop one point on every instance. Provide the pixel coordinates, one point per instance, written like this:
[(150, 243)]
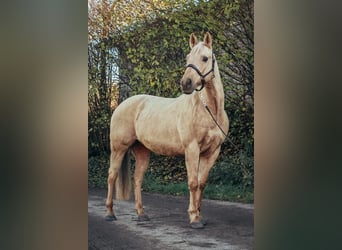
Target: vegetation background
[(139, 47)]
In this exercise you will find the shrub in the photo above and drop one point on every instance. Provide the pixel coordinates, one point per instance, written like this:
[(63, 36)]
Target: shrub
[(98, 171)]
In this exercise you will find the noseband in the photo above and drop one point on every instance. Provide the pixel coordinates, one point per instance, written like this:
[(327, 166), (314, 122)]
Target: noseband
[(200, 74)]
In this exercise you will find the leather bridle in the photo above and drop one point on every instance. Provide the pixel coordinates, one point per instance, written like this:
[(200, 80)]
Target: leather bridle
[(200, 73)]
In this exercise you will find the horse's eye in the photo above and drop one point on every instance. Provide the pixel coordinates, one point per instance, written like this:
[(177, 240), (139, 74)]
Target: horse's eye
[(205, 58)]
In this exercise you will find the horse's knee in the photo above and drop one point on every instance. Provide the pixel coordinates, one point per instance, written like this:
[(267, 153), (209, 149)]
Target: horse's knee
[(202, 185), (193, 185)]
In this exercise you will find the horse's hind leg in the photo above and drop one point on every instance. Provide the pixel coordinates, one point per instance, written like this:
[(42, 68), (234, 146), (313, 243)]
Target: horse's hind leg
[(142, 158), (116, 158)]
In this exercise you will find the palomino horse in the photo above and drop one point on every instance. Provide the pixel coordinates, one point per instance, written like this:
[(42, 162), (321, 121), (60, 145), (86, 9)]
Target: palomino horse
[(193, 124)]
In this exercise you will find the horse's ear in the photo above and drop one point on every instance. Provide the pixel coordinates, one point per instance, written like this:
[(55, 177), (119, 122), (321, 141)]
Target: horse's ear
[(193, 40), (208, 40)]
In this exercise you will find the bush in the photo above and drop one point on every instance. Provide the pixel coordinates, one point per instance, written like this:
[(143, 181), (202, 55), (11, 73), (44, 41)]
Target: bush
[(166, 169), (233, 170), (98, 171)]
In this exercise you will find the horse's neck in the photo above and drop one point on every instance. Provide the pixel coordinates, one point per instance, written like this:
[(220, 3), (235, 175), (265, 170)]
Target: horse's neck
[(213, 93)]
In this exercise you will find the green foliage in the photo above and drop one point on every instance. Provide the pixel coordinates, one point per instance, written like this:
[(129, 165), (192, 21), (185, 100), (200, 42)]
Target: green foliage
[(152, 60), (152, 185), (229, 192), (234, 170), (237, 169), (102, 96), (167, 169), (98, 171)]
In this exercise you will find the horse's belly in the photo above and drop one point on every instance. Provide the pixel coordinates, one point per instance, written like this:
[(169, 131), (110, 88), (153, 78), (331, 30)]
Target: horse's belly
[(162, 147), (161, 141)]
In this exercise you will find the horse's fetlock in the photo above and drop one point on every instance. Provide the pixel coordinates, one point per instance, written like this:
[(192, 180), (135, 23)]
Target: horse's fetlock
[(139, 209), (109, 204), (194, 217)]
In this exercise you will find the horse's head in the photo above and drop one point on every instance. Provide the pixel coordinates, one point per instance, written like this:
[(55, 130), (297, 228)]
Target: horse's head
[(199, 64)]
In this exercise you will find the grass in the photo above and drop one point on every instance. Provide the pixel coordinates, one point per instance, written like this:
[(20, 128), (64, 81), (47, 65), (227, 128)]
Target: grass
[(212, 191)]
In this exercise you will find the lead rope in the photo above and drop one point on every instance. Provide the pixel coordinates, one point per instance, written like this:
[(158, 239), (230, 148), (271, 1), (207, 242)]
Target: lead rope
[(212, 116)]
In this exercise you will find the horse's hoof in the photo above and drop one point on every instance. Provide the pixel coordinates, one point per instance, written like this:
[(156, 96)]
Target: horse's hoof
[(110, 217), (197, 225), (204, 222), (143, 217)]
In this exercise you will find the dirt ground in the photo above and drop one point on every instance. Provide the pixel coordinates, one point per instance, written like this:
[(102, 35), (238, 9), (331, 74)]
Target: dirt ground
[(229, 225)]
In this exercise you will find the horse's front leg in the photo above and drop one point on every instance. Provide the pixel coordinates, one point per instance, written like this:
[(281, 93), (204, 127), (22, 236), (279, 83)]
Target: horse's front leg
[(206, 163), (142, 158), (191, 162)]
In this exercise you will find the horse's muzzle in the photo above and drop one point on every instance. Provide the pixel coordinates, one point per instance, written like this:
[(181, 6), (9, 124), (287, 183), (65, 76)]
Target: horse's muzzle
[(186, 86)]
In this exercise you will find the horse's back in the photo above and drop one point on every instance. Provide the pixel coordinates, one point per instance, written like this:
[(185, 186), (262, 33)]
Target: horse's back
[(132, 106)]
